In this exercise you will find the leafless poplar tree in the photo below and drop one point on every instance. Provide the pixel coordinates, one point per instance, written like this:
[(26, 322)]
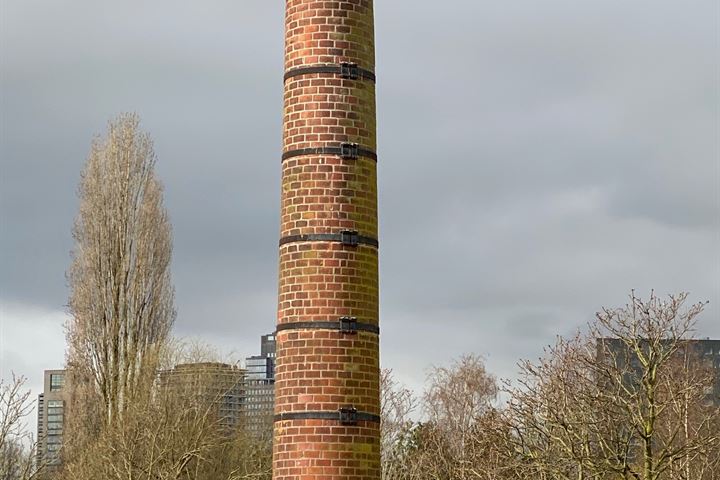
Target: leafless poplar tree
[(121, 300)]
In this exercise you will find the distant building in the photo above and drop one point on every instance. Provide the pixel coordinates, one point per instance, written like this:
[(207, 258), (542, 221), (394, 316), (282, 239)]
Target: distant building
[(704, 353), (51, 419), (708, 352), (217, 383), (244, 397), (260, 388)]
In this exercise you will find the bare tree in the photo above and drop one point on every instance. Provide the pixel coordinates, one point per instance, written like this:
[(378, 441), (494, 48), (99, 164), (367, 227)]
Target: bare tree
[(397, 404), (170, 437), (560, 424), (249, 457), (180, 432), (121, 300), (657, 393), (456, 400), (632, 399), (17, 446), (619, 402)]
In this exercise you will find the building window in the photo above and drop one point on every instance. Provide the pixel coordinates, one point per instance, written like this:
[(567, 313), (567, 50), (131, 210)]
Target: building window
[(57, 381)]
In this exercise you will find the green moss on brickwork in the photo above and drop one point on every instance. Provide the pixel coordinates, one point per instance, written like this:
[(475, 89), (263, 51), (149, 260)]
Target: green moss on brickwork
[(351, 367), (363, 448)]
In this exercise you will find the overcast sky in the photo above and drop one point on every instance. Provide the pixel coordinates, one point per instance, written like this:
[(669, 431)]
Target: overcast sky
[(537, 161)]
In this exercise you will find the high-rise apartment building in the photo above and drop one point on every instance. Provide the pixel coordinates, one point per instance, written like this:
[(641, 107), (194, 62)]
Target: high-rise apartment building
[(260, 388), (245, 397), (208, 382), (51, 419)]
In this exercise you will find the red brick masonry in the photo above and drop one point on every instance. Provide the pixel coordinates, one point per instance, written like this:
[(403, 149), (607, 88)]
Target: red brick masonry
[(321, 369)]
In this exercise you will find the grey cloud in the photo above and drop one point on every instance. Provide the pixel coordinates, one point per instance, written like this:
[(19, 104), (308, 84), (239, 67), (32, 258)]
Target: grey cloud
[(537, 160)]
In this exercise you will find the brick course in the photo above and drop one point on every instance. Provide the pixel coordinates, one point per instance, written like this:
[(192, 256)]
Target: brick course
[(325, 194), (324, 370), (329, 32), (324, 108)]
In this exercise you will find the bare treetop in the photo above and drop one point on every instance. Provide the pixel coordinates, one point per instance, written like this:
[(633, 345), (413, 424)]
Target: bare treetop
[(121, 297)]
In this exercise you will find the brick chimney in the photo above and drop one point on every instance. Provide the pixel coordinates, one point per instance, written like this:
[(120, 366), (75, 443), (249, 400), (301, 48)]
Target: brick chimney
[(327, 406)]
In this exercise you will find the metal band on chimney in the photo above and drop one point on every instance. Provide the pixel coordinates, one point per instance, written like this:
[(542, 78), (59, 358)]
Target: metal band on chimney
[(349, 71), (343, 416), (347, 325), (347, 151), (350, 238)]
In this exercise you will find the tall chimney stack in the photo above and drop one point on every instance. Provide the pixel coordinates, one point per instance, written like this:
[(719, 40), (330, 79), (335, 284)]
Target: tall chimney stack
[(327, 406)]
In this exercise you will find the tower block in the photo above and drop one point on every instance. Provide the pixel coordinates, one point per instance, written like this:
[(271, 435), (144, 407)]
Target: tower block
[(327, 407)]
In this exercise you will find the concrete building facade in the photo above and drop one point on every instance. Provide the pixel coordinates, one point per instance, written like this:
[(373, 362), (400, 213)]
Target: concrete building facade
[(51, 419), (327, 406), (217, 383)]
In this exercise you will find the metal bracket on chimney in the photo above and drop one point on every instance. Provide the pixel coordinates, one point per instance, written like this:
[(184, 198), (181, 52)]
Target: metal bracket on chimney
[(350, 238), (349, 325), (349, 70), (348, 416), (349, 151)]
